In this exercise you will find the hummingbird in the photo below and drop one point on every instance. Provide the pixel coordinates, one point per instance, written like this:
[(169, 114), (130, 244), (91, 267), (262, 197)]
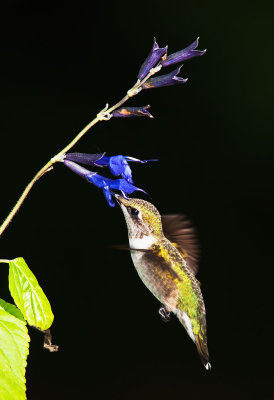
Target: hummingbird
[(165, 254)]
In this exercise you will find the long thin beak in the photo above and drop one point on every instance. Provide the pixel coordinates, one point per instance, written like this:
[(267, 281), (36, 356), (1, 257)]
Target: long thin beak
[(116, 196)]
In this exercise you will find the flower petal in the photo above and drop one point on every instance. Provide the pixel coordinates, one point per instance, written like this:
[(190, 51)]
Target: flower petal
[(99, 180), (102, 162), (108, 196), (119, 166), (183, 55), (152, 59), (124, 186), (132, 112), (107, 184), (164, 80)]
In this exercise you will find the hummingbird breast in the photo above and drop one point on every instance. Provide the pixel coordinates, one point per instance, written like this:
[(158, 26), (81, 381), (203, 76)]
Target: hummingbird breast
[(158, 274)]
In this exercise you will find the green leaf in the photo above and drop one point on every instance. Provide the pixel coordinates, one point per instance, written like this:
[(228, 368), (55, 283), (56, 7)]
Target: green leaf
[(11, 309), (28, 295), (14, 349)]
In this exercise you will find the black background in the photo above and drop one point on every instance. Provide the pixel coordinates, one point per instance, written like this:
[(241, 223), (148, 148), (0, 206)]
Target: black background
[(59, 65)]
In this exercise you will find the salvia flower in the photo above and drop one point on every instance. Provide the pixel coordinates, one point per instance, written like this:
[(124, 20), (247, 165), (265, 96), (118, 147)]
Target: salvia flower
[(101, 182), (132, 112), (183, 55), (152, 59), (164, 80), (118, 165)]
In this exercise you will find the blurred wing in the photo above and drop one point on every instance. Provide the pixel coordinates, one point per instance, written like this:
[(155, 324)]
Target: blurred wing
[(180, 232)]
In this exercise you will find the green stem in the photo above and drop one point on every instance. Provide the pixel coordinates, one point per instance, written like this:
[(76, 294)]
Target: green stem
[(103, 115), (5, 261)]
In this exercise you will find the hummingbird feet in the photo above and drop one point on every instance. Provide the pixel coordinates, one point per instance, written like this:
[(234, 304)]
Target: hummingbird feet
[(164, 314)]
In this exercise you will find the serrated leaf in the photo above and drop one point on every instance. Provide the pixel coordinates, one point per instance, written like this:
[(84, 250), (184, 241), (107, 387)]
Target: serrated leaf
[(28, 295), (10, 389), (11, 309), (14, 349)]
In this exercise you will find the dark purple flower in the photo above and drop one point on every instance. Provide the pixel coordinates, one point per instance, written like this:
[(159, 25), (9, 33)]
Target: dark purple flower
[(164, 80), (152, 59), (132, 112), (104, 183), (84, 158), (183, 55)]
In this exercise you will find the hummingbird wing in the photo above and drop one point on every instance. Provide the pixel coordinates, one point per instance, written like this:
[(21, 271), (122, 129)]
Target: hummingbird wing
[(180, 232)]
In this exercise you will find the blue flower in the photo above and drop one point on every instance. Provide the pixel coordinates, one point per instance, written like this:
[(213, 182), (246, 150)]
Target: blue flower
[(107, 185), (118, 165), (101, 182)]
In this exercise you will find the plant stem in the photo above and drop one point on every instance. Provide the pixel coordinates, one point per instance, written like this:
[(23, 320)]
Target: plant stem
[(23, 196), (103, 115), (5, 261)]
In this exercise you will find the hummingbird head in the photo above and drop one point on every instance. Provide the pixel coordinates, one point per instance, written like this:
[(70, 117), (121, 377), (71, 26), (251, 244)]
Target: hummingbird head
[(142, 218)]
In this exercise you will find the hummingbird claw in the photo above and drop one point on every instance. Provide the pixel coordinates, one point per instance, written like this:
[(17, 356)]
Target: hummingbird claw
[(164, 314)]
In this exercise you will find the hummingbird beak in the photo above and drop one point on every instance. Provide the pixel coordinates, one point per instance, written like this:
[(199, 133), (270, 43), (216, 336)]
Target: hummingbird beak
[(116, 196), (120, 199)]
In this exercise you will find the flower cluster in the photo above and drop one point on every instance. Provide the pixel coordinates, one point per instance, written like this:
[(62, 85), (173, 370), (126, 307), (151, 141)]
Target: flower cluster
[(118, 165), (159, 56), (156, 60)]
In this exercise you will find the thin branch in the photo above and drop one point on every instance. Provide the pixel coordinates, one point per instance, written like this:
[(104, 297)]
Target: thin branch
[(103, 115)]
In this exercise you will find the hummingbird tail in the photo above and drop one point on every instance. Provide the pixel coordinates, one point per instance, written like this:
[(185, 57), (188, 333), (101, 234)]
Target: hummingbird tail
[(201, 343), (203, 351)]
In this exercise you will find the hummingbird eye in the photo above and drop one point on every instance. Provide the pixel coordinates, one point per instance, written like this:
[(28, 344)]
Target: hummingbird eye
[(133, 211)]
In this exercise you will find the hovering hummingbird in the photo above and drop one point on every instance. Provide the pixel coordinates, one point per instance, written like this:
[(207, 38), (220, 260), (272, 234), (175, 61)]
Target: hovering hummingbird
[(165, 254)]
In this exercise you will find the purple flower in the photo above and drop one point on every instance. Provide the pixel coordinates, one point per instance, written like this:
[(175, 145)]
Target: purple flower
[(152, 59), (84, 158), (104, 183), (183, 55), (164, 80), (132, 112)]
